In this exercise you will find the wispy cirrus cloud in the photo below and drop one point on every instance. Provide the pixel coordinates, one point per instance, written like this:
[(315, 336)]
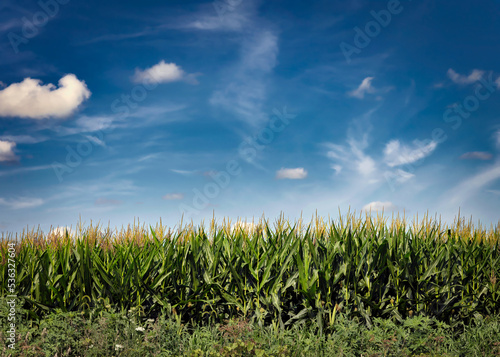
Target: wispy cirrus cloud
[(173, 196), (31, 99), (351, 156), (220, 16), (470, 186), (396, 154), (244, 88), (23, 170), (21, 202), (461, 79), (185, 172), (211, 21), (364, 87), (87, 124), (476, 155), (23, 139)]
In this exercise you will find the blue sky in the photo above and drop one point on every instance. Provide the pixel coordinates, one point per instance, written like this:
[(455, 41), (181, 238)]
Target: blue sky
[(111, 111)]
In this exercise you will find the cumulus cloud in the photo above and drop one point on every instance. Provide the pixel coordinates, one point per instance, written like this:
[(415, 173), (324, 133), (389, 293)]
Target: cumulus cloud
[(476, 155), (379, 206), (173, 196), (364, 87), (292, 174), (461, 79), (31, 99), (22, 202), (247, 227), (60, 232), (163, 73), (396, 154), (7, 151)]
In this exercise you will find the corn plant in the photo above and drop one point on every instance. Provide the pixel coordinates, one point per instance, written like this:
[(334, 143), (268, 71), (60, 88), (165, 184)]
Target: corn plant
[(282, 274)]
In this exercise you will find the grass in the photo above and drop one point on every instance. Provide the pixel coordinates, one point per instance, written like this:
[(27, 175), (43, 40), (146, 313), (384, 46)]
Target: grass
[(126, 334)]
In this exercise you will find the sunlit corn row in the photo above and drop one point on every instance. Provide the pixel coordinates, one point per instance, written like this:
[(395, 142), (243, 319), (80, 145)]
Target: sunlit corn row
[(282, 272)]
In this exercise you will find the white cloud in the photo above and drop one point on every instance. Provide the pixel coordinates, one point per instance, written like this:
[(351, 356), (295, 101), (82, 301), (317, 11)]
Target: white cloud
[(366, 166), (353, 157), (247, 227), (61, 232), (497, 134), (23, 139), (162, 73), (379, 206), (293, 174), (243, 91), (358, 166), (229, 21), (402, 175), (364, 87), (7, 151), (476, 155), (396, 154), (96, 140), (185, 172), (337, 169), (26, 169), (461, 79), (173, 196), (31, 99), (22, 202), (471, 186), (220, 16)]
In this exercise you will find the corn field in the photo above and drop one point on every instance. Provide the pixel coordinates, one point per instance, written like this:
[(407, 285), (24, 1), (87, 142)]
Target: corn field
[(278, 273)]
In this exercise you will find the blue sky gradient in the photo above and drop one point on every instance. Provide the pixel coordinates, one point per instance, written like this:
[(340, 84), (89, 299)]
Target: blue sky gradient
[(119, 110)]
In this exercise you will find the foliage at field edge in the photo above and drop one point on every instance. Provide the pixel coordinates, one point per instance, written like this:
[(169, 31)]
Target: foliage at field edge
[(283, 274), (126, 334)]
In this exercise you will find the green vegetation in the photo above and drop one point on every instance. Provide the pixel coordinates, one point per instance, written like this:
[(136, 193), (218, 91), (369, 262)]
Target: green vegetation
[(125, 334), (386, 275), (286, 274)]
